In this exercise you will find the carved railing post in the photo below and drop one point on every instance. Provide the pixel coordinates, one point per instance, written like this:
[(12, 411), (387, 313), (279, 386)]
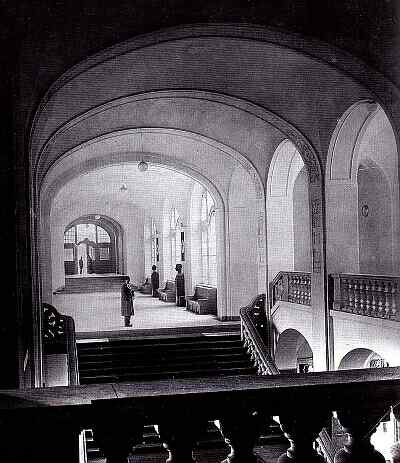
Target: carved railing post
[(179, 436), (359, 426), (116, 430), (241, 431), (39, 435), (301, 429)]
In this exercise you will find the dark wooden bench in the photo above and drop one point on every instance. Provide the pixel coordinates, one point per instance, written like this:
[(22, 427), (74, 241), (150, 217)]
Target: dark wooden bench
[(168, 293), (203, 301)]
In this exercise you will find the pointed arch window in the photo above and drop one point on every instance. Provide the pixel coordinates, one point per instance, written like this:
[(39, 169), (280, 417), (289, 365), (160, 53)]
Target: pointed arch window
[(155, 251), (177, 238), (208, 239)]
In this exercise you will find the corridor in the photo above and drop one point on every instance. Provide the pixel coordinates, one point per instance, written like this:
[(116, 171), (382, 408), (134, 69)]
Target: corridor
[(98, 312)]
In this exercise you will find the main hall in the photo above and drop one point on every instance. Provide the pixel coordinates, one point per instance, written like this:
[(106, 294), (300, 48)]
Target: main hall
[(247, 152)]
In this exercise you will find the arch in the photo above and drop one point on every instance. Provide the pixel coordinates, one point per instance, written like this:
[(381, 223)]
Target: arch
[(363, 137), (293, 352), (50, 143), (288, 214), (115, 231), (361, 358)]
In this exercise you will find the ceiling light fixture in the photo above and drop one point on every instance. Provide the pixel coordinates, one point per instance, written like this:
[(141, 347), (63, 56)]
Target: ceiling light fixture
[(143, 166)]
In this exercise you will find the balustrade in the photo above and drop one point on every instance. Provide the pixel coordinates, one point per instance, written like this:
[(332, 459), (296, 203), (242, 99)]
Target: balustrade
[(44, 423), (255, 335), (368, 295), (291, 287)]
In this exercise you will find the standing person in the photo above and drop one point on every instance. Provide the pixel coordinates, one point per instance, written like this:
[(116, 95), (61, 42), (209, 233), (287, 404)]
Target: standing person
[(180, 286), (155, 281), (127, 297), (80, 265)]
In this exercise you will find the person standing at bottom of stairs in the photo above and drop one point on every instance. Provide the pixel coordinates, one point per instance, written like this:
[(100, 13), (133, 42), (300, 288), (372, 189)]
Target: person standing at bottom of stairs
[(127, 299)]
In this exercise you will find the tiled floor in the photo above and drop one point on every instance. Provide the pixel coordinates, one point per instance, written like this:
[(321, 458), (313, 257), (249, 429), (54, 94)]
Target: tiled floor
[(101, 312)]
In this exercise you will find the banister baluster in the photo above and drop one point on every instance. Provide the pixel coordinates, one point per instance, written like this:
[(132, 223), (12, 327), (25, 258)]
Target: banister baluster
[(359, 425), (301, 427)]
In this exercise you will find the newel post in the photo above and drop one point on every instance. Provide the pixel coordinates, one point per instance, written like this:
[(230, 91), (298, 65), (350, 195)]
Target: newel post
[(359, 425)]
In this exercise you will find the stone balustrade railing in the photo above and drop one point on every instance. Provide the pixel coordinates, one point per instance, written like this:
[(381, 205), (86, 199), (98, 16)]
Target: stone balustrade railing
[(368, 295), (43, 424), (291, 287), (254, 330)]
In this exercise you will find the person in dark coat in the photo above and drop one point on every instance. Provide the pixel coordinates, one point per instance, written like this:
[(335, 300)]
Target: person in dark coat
[(180, 286), (155, 281), (127, 297), (80, 265)]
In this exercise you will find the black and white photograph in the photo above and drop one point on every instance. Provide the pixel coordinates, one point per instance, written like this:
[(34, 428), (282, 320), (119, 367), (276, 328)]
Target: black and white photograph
[(200, 231)]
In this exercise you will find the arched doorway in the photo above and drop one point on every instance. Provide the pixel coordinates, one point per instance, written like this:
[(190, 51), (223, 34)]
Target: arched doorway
[(288, 212), (92, 245), (293, 353), (362, 358)]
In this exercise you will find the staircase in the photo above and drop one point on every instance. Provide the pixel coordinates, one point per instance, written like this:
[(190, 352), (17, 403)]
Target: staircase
[(163, 358), (167, 357)]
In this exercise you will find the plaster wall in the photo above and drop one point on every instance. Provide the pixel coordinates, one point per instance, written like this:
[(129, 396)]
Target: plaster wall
[(374, 226), (243, 265), (301, 224), (355, 331)]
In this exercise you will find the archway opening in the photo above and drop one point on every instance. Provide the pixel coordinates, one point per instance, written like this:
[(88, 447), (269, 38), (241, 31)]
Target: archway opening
[(92, 246), (293, 353), (143, 218), (288, 212), (361, 358)]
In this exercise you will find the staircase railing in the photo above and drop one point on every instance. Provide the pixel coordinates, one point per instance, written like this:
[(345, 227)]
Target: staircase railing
[(255, 329), (368, 295), (59, 338), (254, 332), (50, 419), (291, 287)]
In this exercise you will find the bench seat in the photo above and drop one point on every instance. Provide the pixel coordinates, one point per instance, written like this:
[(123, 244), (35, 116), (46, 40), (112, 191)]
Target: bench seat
[(203, 301), (167, 294)]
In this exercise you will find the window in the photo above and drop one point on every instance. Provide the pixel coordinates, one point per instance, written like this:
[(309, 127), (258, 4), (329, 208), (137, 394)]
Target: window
[(208, 240), (85, 231), (102, 235), (78, 233), (177, 239), (104, 253), (69, 236), (155, 254)]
